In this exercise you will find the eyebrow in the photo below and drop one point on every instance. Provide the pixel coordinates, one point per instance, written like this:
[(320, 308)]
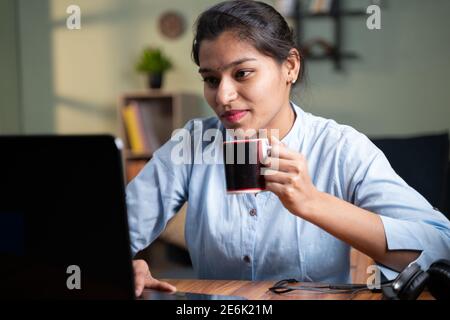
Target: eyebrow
[(232, 64)]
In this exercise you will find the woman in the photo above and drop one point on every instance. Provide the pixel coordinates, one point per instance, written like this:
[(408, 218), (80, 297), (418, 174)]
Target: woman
[(331, 190)]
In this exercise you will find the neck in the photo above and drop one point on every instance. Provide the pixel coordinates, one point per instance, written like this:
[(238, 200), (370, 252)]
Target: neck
[(283, 122)]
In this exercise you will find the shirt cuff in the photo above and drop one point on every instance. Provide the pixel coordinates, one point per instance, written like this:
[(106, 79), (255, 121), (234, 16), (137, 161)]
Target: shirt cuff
[(392, 274), (404, 235), (401, 234)]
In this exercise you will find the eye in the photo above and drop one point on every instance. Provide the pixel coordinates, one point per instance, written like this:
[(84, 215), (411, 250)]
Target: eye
[(211, 81), (242, 74)]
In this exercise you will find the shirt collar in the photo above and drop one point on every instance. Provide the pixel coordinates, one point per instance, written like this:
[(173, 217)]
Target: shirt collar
[(294, 137)]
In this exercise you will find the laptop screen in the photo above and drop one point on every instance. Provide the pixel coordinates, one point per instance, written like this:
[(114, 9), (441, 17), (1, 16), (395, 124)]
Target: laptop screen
[(63, 223)]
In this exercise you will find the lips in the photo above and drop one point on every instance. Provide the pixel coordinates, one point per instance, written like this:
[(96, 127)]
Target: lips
[(234, 115)]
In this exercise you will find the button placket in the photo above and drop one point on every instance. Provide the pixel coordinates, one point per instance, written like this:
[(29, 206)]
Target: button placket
[(248, 244)]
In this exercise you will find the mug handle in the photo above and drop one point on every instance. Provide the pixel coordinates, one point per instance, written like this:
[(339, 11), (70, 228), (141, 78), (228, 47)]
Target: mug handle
[(266, 152), (266, 149)]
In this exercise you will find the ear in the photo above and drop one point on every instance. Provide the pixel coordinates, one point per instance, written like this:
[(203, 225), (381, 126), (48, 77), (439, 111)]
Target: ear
[(292, 66)]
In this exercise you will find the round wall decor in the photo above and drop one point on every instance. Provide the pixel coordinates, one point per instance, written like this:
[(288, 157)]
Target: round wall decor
[(171, 24)]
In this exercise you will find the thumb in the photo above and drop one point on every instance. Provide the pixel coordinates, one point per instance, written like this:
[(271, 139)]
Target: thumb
[(139, 287)]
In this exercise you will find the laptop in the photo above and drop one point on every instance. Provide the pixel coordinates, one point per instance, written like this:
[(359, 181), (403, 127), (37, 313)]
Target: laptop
[(63, 223)]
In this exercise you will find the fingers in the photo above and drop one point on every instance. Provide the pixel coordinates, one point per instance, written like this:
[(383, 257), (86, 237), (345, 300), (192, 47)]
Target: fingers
[(140, 267), (283, 159), (139, 283), (143, 279), (152, 283), (279, 150), (275, 187), (279, 164), (149, 282), (281, 177)]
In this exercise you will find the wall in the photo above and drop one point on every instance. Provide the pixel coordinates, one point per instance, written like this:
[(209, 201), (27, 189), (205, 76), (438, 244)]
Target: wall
[(37, 83), (71, 79), (93, 66), (399, 85), (9, 82)]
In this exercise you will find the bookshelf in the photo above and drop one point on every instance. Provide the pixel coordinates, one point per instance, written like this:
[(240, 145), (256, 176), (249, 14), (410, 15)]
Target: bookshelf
[(147, 120), (336, 13)]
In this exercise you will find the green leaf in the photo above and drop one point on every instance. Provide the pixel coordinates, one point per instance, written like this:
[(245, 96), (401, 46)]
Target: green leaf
[(152, 60)]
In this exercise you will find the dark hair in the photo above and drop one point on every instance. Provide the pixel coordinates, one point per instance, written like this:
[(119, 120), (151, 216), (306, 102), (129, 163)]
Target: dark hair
[(253, 21)]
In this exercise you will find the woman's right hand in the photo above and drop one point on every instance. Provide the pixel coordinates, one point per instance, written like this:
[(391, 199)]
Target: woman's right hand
[(143, 279)]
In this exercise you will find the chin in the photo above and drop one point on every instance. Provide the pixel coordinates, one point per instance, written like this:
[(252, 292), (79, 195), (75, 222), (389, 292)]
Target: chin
[(247, 132)]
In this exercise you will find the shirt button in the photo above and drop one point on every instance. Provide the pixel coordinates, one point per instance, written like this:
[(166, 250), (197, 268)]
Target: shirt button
[(253, 212), (246, 259)]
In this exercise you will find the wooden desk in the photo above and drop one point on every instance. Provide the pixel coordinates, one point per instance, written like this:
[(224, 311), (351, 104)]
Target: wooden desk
[(258, 290)]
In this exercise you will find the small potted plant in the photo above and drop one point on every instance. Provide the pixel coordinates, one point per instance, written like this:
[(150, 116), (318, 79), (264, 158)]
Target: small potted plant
[(154, 63)]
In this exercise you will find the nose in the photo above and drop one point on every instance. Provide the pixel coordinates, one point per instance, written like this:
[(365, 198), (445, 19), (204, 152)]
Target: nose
[(226, 92)]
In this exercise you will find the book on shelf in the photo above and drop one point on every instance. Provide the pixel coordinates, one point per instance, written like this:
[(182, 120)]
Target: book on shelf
[(148, 120), (134, 128), (139, 130)]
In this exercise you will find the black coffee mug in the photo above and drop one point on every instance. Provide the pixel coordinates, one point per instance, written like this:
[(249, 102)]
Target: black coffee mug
[(244, 168)]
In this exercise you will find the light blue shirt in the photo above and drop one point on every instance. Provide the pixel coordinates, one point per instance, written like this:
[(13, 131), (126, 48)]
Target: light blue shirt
[(227, 240)]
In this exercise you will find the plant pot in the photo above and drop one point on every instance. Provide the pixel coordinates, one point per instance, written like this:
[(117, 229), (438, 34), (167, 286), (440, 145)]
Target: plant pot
[(155, 80)]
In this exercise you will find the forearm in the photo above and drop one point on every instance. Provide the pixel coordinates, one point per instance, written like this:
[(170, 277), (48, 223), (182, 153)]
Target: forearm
[(358, 227)]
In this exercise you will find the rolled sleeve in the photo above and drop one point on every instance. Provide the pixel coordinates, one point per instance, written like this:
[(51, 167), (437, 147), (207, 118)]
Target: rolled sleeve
[(433, 243)]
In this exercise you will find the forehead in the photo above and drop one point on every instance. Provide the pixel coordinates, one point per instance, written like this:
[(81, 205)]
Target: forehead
[(227, 48)]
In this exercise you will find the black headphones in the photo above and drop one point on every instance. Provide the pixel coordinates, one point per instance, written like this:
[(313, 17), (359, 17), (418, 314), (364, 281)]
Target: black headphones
[(410, 283)]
